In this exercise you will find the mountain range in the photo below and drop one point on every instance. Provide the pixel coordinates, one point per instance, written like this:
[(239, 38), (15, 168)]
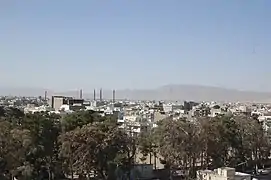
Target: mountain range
[(168, 92)]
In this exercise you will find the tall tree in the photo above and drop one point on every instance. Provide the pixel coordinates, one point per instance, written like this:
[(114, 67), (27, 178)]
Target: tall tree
[(43, 155), (96, 147), (14, 145)]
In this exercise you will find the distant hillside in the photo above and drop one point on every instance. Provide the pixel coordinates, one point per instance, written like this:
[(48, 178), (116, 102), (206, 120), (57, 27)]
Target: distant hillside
[(169, 92), (22, 91), (192, 92)]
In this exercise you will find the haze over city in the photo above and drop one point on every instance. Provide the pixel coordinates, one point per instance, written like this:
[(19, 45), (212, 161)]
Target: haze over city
[(67, 45)]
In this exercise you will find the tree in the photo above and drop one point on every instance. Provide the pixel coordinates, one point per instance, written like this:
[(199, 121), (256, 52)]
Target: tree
[(255, 145), (214, 142), (146, 145), (79, 119), (14, 145), (178, 143), (43, 155), (96, 147)]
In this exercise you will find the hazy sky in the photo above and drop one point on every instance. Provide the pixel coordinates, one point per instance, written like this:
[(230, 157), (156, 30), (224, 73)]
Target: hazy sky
[(68, 44)]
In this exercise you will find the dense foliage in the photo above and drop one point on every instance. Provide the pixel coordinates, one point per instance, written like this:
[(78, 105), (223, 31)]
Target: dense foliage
[(233, 141), (43, 146), (86, 144)]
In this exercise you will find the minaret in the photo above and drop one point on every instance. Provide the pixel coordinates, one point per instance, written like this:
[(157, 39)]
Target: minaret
[(45, 95), (81, 94), (94, 95), (101, 94), (114, 96)]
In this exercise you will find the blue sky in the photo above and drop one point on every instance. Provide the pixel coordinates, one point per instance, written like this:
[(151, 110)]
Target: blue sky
[(69, 44)]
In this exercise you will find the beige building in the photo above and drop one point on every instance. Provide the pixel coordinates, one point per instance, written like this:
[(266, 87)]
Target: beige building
[(57, 102), (224, 173)]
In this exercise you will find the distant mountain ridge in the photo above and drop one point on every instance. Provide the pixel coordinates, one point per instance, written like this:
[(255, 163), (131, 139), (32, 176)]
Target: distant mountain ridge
[(168, 92)]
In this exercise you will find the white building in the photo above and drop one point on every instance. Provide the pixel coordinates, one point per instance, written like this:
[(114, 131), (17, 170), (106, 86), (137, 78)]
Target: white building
[(266, 121), (167, 108), (224, 173), (32, 109)]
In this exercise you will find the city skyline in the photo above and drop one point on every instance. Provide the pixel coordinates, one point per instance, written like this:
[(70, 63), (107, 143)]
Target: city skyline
[(168, 92), (135, 45)]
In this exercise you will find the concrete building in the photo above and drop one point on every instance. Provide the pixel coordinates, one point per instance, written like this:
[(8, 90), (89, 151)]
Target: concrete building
[(224, 173), (73, 104), (57, 102)]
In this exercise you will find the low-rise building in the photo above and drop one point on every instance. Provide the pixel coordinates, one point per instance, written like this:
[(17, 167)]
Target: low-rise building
[(224, 173)]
